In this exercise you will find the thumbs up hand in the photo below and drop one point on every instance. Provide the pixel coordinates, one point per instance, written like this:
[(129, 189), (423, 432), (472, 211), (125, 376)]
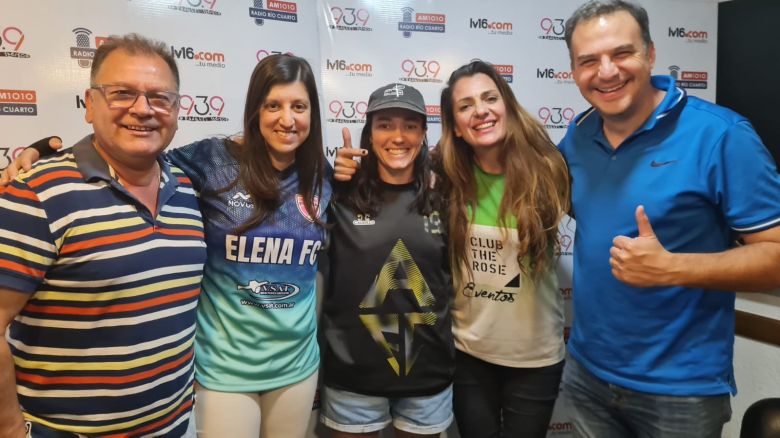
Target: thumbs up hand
[(640, 261), (344, 166)]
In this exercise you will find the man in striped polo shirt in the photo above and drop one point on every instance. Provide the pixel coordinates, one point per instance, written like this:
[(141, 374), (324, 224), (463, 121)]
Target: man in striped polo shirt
[(101, 257)]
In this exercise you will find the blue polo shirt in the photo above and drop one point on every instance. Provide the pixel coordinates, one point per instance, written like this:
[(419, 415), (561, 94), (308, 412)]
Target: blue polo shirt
[(703, 176)]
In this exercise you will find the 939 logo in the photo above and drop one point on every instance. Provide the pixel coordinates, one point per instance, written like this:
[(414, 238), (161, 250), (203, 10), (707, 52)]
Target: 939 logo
[(201, 108), (347, 111), (8, 154), (420, 70), (11, 40), (355, 19), (207, 7), (262, 53), (551, 28), (556, 117)]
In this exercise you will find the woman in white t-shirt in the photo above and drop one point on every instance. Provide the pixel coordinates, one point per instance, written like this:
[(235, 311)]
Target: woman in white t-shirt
[(508, 191)]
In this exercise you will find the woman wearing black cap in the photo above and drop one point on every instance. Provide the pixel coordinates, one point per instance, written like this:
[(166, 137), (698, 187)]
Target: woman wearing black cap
[(388, 352)]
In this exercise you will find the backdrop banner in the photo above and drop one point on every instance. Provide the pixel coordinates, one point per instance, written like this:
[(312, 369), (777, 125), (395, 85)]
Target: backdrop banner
[(355, 46)]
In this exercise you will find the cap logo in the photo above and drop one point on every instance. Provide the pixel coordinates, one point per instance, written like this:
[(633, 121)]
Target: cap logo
[(396, 89)]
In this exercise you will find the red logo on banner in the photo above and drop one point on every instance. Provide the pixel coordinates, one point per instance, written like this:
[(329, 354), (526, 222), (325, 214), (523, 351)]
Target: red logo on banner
[(18, 103), (11, 40)]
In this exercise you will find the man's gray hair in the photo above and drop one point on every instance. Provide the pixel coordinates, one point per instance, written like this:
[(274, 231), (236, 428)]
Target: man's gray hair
[(133, 44)]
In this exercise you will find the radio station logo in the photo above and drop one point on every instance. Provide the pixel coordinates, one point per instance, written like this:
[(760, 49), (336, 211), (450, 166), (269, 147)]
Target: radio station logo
[(566, 230), (199, 58), (420, 70), (551, 74), (565, 240), (262, 53), (560, 428), (552, 28), (689, 79), (207, 7), (8, 154), (18, 103), (275, 10), (556, 117), (201, 108), (433, 113), (11, 40), (355, 19), (80, 104), (491, 27), (420, 22), (692, 36), (347, 111), (356, 69), (507, 71), (84, 52)]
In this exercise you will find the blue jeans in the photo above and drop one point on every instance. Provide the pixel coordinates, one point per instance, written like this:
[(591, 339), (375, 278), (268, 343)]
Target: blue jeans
[(603, 410), (492, 401), (358, 413)]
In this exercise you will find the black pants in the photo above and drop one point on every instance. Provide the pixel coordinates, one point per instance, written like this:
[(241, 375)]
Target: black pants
[(493, 401)]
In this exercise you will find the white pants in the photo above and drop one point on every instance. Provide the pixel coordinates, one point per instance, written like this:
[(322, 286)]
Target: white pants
[(282, 412)]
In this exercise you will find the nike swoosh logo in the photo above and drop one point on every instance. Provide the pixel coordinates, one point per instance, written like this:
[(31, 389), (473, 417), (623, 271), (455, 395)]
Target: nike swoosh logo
[(661, 163)]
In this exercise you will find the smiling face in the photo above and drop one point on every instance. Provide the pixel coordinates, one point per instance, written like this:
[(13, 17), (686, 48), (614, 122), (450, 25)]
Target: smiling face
[(285, 121), (132, 137), (612, 66), (396, 138), (479, 113)]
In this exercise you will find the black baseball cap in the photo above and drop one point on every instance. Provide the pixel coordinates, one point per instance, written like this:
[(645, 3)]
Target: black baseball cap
[(396, 96)]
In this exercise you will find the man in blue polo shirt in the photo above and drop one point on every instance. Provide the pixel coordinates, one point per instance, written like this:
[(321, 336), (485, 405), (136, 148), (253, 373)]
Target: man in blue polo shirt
[(101, 258), (664, 185)]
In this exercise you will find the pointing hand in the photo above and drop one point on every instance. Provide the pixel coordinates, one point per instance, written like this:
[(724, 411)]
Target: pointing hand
[(345, 166)]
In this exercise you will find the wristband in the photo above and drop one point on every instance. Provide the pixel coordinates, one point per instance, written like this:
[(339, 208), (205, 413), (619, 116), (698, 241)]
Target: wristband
[(43, 147)]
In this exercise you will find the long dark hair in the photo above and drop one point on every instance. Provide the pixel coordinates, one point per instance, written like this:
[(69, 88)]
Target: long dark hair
[(363, 193), (536, 190), (256, 173)]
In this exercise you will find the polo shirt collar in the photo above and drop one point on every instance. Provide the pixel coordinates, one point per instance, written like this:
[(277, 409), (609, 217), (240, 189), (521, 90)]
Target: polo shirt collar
[(670, 106), (94, 168)]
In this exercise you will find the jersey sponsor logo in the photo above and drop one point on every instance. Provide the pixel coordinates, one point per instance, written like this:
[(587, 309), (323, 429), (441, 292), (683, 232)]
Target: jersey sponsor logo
[(655, 163), (241, 200), (302, 207), (432, 223), (267, 291), (396, 304), (471, 291), (363, 219)]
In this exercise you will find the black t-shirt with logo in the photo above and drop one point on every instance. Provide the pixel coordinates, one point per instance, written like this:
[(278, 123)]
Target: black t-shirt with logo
[(386, 320)]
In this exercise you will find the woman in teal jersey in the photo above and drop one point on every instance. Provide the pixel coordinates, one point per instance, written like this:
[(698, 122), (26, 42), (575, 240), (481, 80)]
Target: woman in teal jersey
[(256, 356), (508, 188), (256, 352)]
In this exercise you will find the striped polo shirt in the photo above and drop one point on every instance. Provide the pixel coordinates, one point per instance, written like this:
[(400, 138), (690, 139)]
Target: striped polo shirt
[(104, 345)]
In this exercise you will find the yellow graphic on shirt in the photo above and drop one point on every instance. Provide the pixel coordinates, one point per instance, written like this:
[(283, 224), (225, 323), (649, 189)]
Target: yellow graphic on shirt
[(397, 301)]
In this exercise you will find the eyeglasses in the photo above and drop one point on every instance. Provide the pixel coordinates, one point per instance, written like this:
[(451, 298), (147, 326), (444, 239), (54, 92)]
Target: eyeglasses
[(122, 97)]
